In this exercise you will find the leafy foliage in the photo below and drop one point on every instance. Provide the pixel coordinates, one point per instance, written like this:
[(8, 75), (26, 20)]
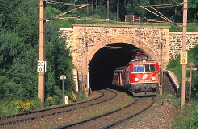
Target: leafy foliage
[(19, 52), (184, 122), (174, 65)]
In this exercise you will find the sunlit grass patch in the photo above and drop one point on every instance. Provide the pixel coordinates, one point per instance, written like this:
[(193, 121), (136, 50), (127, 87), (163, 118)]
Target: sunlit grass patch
[(187, 118), (172, 99)]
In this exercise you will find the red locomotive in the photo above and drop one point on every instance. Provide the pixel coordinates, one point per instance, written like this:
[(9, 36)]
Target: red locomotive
[(140, 76)]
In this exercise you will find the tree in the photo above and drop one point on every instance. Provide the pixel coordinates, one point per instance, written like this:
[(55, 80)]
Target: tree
[(58, 58), (19, 52), (193, 10)]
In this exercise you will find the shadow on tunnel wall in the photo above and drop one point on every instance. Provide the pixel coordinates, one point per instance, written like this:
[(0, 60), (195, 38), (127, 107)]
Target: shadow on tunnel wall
[(104, 62)]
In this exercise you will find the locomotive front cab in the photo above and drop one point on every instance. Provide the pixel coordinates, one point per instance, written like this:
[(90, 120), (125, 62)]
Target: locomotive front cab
[(144, 78)]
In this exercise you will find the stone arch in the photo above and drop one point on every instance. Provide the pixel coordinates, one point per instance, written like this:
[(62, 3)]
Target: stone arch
[(147, 38), (125, 39)]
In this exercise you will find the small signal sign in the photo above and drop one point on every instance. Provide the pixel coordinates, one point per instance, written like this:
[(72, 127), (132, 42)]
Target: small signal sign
[(42, 66), (183, 58)]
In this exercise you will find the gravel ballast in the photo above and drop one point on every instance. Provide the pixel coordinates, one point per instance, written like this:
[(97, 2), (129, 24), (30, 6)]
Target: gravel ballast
[(162, 118)]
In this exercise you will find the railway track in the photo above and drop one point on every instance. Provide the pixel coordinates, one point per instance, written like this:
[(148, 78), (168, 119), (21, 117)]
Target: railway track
[(106, 95), (130, 116), (114, 117), (107, 110)]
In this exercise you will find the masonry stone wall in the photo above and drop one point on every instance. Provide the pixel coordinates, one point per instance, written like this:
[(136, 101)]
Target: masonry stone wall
[(175, 43)]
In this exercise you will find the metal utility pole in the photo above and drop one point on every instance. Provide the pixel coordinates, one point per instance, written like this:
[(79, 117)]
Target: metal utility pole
[(191, 64), (63, 78), (107, 9), (118, 10), (161, 72), (41, 62), (87, 67), (92, 5), (96, 4), (87, 2), (184, 56)]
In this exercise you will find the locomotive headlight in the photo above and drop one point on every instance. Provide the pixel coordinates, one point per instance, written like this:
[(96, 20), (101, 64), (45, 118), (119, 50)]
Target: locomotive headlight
[(153, 78), (136, 79)]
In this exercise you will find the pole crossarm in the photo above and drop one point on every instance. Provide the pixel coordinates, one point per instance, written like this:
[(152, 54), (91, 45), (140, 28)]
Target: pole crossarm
[(157, 13), (62, 14)]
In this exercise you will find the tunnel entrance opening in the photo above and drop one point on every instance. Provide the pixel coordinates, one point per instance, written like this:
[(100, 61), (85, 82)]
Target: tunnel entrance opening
[(106, 60)]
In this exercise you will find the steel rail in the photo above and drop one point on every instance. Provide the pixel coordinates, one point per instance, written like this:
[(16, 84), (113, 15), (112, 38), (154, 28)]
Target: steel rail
[(54, 112), (95, 117), (129, 117)]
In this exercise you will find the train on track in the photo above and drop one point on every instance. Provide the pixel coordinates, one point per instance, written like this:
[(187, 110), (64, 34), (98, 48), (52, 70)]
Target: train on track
[(141, 76)]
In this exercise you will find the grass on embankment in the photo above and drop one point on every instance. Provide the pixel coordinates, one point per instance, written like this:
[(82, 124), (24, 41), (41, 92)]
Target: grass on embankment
[(187, 117)]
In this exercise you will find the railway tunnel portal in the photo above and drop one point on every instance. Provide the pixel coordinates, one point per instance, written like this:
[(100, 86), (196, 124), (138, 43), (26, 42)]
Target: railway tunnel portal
[(102, 48)]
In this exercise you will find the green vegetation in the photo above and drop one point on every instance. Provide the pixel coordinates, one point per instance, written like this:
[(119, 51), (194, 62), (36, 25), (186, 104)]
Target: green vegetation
[(19, 56), (172, 99), (187, 118), (182, 121), (190, 28)]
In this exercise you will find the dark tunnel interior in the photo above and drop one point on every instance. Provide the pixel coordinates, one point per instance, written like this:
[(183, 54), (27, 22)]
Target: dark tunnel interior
[(107, 59)]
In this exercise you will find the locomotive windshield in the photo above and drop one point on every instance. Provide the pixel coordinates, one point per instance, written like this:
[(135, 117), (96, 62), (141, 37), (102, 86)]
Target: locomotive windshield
[(150, 68), (144, 68), (138, 68)]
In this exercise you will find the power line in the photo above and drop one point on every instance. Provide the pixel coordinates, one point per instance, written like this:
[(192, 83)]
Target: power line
[(165, 5), (157, 13), (55, 2), (59, 16)]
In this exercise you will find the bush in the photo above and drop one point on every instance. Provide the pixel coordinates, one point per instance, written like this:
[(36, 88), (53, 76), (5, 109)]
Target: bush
[(190, 122), (17, 106), (6, 108), (81, 96), (26, 106), (54, 100)]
